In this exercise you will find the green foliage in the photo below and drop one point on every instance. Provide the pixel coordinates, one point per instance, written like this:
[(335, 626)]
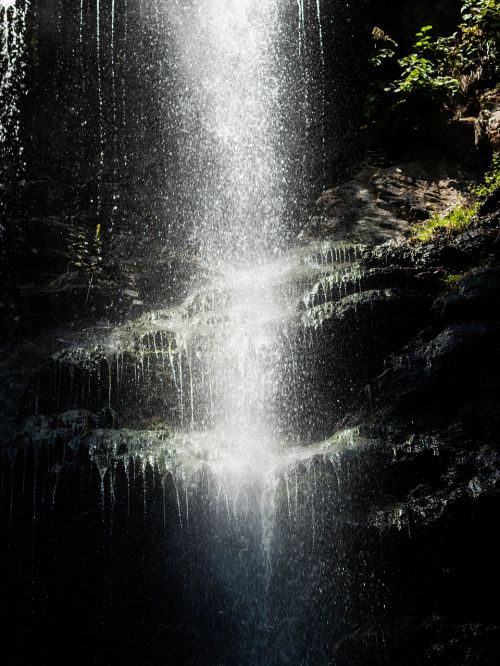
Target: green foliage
[(491, 180), (78, 248), (96, 260), (442, 69), (472, 53), (423, 71), (451, 280), (484, 13), (456, 220), (382, 62)]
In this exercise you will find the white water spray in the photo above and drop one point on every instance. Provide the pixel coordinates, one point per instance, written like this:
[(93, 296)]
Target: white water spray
[(12, 68), (100, 103), (227, 51)]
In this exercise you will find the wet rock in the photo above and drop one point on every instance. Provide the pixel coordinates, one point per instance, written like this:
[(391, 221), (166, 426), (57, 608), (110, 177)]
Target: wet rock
[(475, 294), (432, 640), (383, 319), (446, 377), (380, 204), (442, 485), (454, 253), (491, 203), (396, 535), (489, 118), (25, 198), (436, 381), (461, 137), (421, 490)]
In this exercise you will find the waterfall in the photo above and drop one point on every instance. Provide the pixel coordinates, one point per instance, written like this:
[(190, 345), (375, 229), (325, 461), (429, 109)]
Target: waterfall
[(12, 68), (231, 434), (231, 109), (186, 419)]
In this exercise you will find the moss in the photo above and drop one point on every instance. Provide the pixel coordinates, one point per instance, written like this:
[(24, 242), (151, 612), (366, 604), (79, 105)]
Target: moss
[(450, 280), (455, 221)]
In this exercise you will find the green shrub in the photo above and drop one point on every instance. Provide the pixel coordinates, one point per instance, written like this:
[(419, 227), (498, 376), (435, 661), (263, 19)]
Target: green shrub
[(442, 69), (423, 71)]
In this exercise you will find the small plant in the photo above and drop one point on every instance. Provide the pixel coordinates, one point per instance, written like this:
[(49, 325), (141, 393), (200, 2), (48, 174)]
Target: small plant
[(456, 220), (85, 251), (491, 180), (382, 62), (96, 258), (484, 13), (450, 280), (385, 47), (78, 249)]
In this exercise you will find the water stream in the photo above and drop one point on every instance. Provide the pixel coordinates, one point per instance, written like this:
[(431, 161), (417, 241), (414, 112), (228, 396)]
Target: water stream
[(12, 65), (230, 61), (219, 481)]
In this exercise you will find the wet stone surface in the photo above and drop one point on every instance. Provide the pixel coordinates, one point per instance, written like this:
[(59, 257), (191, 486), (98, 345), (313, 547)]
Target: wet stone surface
[(383, 533)]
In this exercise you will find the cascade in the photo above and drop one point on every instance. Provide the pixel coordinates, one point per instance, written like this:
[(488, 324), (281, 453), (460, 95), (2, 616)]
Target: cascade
[(12, 65), (186, 446)]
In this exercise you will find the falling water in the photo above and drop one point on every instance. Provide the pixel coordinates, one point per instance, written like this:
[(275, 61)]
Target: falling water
[(100, 105), (320, 31), (222, 355), (12, 66), (301, 25), (232, 89), (80, 30), (323, 74)]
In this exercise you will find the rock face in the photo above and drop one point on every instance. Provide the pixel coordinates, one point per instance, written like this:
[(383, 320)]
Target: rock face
[(380, 204), (420, 538), (472, 138), (489, 118), (382, 548), (54, 268), (442, 387)]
